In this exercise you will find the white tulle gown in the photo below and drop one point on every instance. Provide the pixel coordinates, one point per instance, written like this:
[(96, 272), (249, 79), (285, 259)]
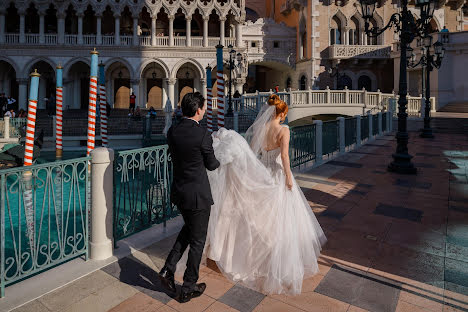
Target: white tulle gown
[(260, 233)]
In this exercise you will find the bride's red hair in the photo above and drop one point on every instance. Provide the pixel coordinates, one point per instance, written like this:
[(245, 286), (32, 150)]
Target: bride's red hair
[(281, 106)]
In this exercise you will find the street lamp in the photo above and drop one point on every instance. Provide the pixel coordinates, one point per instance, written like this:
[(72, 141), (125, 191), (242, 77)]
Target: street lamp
[(428, 61), (408, 28), (233, 57), (333, 72)]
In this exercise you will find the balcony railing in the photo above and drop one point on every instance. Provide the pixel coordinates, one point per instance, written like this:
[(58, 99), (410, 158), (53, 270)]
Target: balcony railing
[(108, 40), (338, 51), (11, 38)]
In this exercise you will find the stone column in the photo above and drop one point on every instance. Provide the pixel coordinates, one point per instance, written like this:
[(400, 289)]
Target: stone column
[(80, 28), (23, 93), (189, 31), (153, 30), (165, 92), (170, 89), (239, 41), (117, 30), (22, 38), (6, 127), (205, 30), (135, 31), (203, 88), (2, 27), (61, 28), (135, 83), (222, 22), (171, 30), (101, 246), (239, 85), (98, 30), (41, 28)]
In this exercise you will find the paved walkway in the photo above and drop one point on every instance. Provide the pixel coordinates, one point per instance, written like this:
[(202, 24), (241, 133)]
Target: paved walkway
[(395, 243)]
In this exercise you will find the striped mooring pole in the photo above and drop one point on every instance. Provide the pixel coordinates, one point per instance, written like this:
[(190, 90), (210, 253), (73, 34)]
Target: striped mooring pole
[(103, 104), (92, 102), (209, 101), (59, 113), (220, 84)]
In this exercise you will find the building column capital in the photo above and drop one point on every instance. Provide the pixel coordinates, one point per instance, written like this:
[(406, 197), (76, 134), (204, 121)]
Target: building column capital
[(135, 81), (22, 81), (171, 81), (206, 18), (188, 18)]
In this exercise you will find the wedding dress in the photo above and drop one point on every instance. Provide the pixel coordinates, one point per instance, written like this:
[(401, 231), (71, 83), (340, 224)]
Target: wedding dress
[(260, 233)]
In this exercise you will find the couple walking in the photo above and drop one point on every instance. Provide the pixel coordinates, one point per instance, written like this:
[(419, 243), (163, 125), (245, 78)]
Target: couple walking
[(239, 198)]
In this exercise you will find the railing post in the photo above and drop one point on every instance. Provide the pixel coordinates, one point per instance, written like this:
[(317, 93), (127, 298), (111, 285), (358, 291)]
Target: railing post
[(364, 99), (346, 95), (433, 108), (318, 142), (257, 104), (309, 96), (102, 172), (6, 127), (379, 116), (379, 99), (236, 121), (328, 95), (358, 130), (370, 126), (341, 133)]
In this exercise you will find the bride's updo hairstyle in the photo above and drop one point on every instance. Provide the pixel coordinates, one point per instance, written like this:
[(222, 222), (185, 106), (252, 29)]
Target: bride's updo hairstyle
[(281, 107)]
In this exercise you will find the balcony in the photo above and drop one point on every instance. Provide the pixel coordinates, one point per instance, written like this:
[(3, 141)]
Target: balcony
[(107, 40), (338, 51)]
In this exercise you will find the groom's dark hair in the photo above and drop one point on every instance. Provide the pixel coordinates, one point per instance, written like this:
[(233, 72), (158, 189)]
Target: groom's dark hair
[(191, 102)]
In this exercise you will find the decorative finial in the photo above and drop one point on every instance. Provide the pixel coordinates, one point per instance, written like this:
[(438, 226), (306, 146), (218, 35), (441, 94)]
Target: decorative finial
[(35, 73), (59, 66), (94, 51)]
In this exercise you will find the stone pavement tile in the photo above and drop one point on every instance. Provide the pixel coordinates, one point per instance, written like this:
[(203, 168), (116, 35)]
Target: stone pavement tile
[(404, 306), (216, 285), (370, 224), (455, 298), (242, 298), (456, 251), (139, 302), (69, 294), (431, 301), (412, 265), (417, 237), (195, 305), (220, 307), (399, 212), (314, 302), (456, 276), (104, 299), (342, 206), (360, 289), (271, 305), (324, 265), (34, 306), (354, 261), (165, 308), (136, 274), (356, 309), (309, 284)]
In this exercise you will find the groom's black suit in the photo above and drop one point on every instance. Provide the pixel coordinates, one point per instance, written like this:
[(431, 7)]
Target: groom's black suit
[(192, 153)]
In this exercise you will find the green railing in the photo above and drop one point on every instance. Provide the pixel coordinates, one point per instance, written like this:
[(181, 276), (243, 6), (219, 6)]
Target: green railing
[(350, 131), (302, 145), (375, 124), (142, 181), (384, 122), (364, 127), (17, 126), (44, 217), (330, 137)]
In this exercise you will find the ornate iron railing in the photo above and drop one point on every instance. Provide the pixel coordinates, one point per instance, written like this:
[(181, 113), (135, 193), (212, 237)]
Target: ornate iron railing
[(364, 128), (375, 124), (44, 217), (142, 182), (17, 126), (350, 131), (330, 137), (302, 145)]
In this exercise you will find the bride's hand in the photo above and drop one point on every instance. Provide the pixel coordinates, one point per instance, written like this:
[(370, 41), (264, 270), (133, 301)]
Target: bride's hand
[(289, 182)]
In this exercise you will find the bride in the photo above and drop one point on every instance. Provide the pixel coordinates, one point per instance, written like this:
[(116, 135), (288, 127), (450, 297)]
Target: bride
[(262, 232)]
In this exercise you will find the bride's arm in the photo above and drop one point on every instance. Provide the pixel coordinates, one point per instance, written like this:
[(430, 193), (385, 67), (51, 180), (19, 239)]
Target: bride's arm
[(284, 145)]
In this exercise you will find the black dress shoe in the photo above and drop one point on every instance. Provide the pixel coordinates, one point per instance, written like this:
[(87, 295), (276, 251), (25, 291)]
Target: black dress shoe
[(196, 292), (167, 279)]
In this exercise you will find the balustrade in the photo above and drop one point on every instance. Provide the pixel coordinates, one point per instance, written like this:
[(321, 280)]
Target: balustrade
[(71, 39), (197, 41), (145, 41), (89, 40), (11, 38), (32, 38), (180, 41), (108, 40), (126, 40), (50, 39)]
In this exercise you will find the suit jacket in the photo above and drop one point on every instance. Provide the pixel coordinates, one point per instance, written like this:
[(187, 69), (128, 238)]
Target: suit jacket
[(191, 149)]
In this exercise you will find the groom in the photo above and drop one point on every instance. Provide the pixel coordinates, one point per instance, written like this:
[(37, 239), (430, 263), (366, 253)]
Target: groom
[(192, 154)]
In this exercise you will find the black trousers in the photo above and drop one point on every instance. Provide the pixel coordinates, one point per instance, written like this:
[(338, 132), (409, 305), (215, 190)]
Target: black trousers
[(193, 234)]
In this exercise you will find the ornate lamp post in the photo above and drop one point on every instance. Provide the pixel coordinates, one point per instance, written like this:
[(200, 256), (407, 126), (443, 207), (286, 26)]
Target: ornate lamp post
[(429, 62), (408, 28), (233, 57)]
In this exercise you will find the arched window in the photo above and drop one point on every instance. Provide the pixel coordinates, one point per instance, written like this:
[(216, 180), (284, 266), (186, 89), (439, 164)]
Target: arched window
[(288, 83), (304, 45), (335, 31), (303, 83), (344, 81), (365, 82), (354, 32)]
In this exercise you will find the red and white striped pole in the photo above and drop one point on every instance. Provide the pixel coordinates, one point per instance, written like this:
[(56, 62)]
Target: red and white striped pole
[(58, 113), (103, 105), (31, 122), (220, 85), (209, 96), (92, 102)]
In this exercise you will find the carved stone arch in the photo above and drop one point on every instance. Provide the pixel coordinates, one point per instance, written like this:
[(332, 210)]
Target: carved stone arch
[(33, 61), (340, 15), (357, 14), (68, 65), (123, 61), (371, 75), (14, 65), (163, 65), (379, 19), (183, 61), (302, 24), (438, 23)]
